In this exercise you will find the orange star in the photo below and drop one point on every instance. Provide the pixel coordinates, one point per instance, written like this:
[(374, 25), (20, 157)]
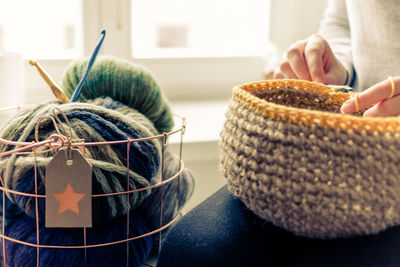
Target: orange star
[(68, 200)]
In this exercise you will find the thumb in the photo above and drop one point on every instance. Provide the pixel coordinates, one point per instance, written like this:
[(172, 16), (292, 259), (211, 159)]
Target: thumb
[(331, 78)]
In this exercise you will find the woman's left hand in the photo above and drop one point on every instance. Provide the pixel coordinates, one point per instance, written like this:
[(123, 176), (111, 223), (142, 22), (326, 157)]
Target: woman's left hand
[(375, 100)]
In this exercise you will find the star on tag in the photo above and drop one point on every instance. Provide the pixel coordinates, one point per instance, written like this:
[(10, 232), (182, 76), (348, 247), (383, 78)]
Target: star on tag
[(68, 190), (68, 200)]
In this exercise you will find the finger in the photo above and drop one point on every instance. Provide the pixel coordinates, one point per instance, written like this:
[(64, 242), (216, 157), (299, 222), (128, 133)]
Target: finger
[(287, 71), (295, 57), (278, 74), (331, 77), (372, 95), (313, 54), (389, 107)]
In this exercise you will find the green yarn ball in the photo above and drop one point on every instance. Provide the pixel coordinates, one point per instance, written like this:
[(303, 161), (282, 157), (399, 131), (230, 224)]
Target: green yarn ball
[(123, 81)]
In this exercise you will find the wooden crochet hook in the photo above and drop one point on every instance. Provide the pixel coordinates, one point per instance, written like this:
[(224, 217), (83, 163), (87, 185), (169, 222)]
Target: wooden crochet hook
[(57, 91)]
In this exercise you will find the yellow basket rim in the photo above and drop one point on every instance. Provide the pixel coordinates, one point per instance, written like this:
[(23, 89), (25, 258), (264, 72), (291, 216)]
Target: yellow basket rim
[(243, 95)]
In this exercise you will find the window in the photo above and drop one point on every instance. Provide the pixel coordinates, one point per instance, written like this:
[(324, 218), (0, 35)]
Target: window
[(41, 28), (207, 28), (196, 49)]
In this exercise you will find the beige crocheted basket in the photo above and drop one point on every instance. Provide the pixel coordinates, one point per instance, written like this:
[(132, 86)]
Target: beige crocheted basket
[(295, 161)]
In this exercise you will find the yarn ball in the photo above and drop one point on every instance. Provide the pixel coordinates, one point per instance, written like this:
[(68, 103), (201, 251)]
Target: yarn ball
[(123, 81), (316, 173), (91, 123), (174, 194), (24, 228), (119, 101)]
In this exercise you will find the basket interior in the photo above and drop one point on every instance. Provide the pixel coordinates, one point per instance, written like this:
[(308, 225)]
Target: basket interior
[(300, 99)]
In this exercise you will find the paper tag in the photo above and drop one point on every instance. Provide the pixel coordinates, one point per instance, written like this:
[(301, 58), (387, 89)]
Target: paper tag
[(68, 190)]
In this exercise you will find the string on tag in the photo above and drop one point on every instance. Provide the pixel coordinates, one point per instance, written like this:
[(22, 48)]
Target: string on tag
[(68, 151), (59, 139)]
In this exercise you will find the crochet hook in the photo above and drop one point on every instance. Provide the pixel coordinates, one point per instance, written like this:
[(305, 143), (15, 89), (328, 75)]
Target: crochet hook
[(57, 91), (341, 88), (78, 88)]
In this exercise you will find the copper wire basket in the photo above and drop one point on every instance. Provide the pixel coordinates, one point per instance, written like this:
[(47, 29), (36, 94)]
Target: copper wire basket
[(56, 142)]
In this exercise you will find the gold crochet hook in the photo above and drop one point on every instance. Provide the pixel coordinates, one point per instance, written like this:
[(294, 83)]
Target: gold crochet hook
[(57, 91)]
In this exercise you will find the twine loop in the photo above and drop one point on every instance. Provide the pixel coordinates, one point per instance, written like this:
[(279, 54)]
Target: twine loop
[(58, 140)]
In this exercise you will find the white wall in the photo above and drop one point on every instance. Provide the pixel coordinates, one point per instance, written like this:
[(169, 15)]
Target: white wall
[(292, 20)]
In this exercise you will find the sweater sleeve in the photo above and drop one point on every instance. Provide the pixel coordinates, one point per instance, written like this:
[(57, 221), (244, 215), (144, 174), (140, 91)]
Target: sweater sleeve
[(336, 30)]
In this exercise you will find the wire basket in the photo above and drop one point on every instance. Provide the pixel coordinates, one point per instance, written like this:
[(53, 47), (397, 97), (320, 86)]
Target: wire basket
[(296, 161), (56, 142)]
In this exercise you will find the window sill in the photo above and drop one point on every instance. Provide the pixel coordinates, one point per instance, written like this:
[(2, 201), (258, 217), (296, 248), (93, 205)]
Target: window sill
[(182, 79), (204, 121)]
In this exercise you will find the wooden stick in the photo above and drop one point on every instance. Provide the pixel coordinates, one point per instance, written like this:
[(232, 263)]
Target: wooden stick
[(57, 91)]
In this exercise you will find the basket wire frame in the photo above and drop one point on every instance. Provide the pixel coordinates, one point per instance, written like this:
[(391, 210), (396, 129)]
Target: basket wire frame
[(56, 142)]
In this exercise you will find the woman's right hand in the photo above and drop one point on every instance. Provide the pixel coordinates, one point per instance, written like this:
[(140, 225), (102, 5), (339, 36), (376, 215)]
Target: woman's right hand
[(311, 59)]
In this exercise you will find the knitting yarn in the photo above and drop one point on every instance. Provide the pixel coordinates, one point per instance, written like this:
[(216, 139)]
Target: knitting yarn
[(123, 81), (91, 123), (119, 101), (174, 194), (24, 228), (296, 162)]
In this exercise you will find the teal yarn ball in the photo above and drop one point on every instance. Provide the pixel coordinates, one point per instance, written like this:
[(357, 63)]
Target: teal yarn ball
[(123, 81), (92, 123)]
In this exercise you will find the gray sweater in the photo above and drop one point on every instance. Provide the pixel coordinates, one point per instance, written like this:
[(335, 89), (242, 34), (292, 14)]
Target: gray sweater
[(365, 36)]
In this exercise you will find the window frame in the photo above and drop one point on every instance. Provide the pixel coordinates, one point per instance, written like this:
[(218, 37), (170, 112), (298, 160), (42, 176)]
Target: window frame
[(182, 79)]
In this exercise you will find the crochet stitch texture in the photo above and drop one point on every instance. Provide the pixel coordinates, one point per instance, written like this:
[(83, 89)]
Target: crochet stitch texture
[(296, 162)]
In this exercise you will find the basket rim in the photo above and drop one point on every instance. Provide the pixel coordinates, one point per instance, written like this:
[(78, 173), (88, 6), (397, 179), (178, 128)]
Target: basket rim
[(52, 141), (242, 94)]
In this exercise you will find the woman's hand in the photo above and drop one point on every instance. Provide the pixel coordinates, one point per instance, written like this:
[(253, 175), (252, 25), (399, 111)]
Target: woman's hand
[(311, 59), (375, 100)]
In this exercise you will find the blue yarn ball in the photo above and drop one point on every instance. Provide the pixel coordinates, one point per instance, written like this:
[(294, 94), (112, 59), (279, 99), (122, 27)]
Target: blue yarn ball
[(24, 228), (93, 123), (142, 111)]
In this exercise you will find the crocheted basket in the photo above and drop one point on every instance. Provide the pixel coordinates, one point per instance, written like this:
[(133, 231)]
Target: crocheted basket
[(295, 161)]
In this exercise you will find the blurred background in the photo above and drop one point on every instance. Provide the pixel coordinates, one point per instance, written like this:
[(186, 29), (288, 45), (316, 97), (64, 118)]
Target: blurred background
[(198, 50)]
